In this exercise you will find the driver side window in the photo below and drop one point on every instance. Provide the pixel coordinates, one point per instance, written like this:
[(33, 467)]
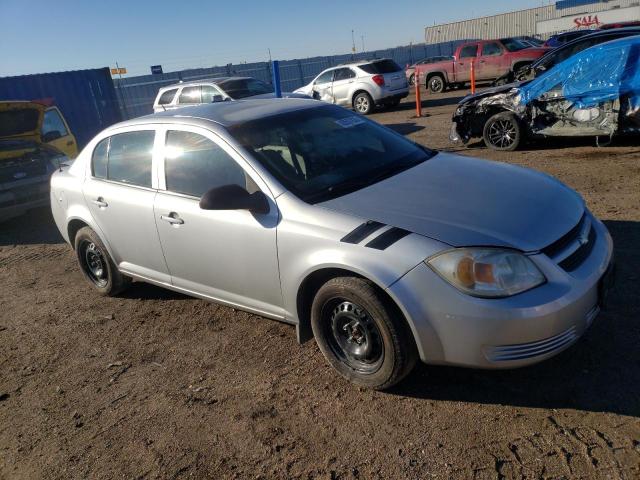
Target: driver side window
[(326, 77), (194, 164)]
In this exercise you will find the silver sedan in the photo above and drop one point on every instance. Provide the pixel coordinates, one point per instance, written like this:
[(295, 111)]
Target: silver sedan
[(382, 250)]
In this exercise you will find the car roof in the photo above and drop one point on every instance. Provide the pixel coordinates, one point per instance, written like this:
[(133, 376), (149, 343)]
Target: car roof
[(226, 114), (214, 80), (359, 62)]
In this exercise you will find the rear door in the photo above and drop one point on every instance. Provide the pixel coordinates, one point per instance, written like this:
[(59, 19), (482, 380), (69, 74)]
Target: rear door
[(191, 95), (56, 133), (468, 54), (491, 61), (342, 82), (119, 191)]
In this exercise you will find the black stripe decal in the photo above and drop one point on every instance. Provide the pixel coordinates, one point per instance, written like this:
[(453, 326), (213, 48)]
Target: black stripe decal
[(362, 232), (387, 238)]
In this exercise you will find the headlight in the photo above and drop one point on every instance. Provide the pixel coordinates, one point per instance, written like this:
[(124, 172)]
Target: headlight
[(459, 111), (487, 272)]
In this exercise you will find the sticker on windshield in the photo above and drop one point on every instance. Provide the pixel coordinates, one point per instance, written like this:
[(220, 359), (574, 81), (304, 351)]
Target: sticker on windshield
[(349, 122)]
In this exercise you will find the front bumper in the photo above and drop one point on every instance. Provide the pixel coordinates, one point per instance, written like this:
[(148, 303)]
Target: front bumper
[(456, 329)]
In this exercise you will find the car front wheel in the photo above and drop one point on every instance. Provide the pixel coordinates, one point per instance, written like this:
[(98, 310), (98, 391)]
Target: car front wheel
[(361, 334), (502, 132), (96, 264)]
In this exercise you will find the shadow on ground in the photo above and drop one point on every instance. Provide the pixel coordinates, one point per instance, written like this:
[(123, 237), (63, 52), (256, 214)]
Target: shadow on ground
[(34, 227), (405, 128), (600, 373)]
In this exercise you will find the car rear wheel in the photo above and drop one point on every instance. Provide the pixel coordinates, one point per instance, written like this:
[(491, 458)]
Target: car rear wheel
[(502, 132), (361, 334), (363, 103), (96, 264), (436, 84)]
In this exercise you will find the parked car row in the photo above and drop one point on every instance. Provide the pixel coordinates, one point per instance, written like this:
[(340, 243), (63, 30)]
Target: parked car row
[(491, 59)]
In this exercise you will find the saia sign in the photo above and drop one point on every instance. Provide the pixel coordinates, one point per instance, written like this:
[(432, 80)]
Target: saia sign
[(587, 21)]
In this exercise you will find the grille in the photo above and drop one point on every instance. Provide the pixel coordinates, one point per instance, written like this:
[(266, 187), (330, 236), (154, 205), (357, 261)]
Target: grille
[(573, 248), (504, 353)]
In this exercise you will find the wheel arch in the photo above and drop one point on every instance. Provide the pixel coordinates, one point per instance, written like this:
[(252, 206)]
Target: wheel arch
[(357, 92), (429, 75), (315, 279)]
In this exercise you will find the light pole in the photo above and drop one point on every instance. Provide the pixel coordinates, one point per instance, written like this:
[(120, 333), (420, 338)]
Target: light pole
[(353, 42), (362, 38)]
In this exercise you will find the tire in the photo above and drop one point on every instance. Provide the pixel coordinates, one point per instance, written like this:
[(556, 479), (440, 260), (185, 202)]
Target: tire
[(361, 333), (363, 103), (96, 264), (436, 84), (412, 79), (502, 132)]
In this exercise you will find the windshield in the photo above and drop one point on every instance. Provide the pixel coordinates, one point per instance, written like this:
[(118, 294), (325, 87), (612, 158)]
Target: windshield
[(514, 44), (18, 122), (325, 152), (245, 87)]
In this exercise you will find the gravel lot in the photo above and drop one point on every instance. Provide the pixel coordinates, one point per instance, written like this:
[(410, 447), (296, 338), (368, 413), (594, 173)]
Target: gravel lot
[(154, 384)]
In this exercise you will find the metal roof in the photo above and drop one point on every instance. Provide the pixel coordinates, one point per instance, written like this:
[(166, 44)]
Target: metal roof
[(226, 113)]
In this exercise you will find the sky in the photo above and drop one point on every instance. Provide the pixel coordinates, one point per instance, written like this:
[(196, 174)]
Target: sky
[(38, 36)]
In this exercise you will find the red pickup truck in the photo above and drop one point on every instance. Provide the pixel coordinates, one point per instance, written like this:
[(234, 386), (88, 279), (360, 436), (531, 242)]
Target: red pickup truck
[(491, 59)]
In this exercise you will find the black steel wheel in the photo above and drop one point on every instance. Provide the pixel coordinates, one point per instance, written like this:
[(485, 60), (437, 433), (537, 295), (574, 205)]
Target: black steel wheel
[(361, 333), (502, 132), (96, 264)]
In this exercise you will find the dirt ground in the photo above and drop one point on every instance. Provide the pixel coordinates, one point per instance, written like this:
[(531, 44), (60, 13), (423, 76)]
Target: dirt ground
[(154, 384)]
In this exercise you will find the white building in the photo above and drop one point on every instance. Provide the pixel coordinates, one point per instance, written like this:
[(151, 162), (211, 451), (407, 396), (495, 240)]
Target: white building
[(541, 22)]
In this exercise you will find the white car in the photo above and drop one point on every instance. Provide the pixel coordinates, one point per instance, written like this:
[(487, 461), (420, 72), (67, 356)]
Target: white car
[(362, 85)]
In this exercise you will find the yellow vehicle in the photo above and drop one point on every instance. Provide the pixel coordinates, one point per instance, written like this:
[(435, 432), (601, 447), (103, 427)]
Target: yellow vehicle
[(37, 121), (35, 140)]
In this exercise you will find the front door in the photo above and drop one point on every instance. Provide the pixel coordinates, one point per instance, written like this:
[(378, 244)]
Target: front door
[(322, 87), (120, 192), (468, 54), (56, 133), (226, 255)]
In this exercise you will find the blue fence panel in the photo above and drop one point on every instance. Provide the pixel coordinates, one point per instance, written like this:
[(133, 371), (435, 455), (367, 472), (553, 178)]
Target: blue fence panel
[(138, 93), (86, 98)]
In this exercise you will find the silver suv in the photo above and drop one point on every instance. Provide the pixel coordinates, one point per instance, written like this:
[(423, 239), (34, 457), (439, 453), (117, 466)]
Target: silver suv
[(361, 85), (213, 90), (313, 215)]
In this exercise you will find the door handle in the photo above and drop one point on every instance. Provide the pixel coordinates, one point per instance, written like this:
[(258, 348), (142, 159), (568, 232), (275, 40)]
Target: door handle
[(172, 218), (100, 202)]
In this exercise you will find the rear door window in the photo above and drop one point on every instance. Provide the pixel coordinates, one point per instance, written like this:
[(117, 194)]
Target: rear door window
[(343, 74), (167, 97), (470, 51), (194, 164), (99, 159), (190, 95), (130, 158), (491, 49), (208, 92)]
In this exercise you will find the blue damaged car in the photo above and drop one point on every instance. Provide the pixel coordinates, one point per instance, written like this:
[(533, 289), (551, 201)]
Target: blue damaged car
[(595, 93)]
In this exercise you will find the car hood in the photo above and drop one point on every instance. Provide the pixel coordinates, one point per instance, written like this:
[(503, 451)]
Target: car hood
[(14, 147), (491, 91), (464, 201)]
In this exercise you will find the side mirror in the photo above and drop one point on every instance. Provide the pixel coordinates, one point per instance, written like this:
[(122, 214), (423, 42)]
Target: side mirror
[(217, 98), (234, 197), (51, 136)]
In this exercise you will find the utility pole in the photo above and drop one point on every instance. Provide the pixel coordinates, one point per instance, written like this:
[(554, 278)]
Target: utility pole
[(269, 55), (362, 38), (353, 42)]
